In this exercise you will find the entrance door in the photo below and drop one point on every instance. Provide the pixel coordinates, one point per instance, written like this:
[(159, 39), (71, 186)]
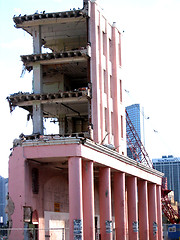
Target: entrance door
[(57, 229)]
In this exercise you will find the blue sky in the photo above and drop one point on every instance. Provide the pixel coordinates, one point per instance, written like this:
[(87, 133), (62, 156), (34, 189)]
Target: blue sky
[(150, 58)]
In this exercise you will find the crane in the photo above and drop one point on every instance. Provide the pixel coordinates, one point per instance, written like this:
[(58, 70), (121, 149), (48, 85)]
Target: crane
[(140, 154)]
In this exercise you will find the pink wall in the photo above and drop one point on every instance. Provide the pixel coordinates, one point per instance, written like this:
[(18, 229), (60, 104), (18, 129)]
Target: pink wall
[(17, 171), (55, 183), (105, 62)]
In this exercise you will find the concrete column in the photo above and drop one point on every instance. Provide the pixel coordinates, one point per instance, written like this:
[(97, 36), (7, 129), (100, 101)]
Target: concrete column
[(152, 206), (88, 201), (105, 203), (62, 124), (132, 208), (75, 193), (159, 212), (119, 205), (143, 210), (37, 107), (70, 125), (37, 42), (37, 118), (37, 78)]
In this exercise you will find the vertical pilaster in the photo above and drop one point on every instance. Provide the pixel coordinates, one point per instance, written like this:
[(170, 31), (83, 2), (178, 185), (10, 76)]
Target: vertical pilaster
[(159, 212), (132, 208), (143, 210), (116, 98), (152, 207), (75, 194), (105, 203), (88, 201), (119, 205), (94, 70)]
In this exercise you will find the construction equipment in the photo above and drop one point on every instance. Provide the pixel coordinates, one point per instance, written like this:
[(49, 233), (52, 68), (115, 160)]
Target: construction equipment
[(170, 213), (135, 145), (140, 155)]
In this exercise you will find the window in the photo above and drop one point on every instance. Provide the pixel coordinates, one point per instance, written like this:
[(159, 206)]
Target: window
[(111, 86), (122, 127), (120, 90), (106, 117), (112, 123), (35, 180), (104, 44), (110, 50), (119, 49), (105, 82), (98, 38)]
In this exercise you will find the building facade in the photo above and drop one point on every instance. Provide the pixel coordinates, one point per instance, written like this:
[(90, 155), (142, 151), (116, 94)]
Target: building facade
[(78, 181), (3, 195), (170, 166)]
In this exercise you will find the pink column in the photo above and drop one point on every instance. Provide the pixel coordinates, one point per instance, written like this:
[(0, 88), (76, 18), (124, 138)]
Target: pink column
[(159, 212), (75, 193), (143, 210), (152, 206), (119, 205), (126, 209), (105, 202), (132, 208), (88, 201)]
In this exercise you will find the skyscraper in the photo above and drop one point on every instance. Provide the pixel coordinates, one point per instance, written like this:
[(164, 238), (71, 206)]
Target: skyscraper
[(170, 166), (136, 115)]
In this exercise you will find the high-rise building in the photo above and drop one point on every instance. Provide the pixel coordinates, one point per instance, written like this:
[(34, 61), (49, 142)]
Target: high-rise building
[(170, 166), (3, 194), (136, 115)]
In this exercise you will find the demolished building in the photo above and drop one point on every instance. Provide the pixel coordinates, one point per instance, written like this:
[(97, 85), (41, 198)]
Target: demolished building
[(79, 181)]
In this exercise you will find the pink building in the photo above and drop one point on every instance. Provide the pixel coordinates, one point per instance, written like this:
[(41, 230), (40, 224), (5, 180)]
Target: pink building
[(80, 180)]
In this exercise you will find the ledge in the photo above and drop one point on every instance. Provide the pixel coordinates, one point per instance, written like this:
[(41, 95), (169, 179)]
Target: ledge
[(55, 55), (42, 16), (27, 98)]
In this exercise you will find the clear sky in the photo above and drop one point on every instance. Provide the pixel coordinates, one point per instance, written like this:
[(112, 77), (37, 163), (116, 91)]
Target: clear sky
[(150, 58)]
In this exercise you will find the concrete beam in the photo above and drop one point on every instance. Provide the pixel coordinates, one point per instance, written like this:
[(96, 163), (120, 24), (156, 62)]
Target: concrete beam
[(103, 157), (59, 61)]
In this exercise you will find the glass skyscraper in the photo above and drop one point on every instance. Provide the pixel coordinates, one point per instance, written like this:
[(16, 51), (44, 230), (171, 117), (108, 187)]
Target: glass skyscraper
[(136, 115), (170, 166)]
